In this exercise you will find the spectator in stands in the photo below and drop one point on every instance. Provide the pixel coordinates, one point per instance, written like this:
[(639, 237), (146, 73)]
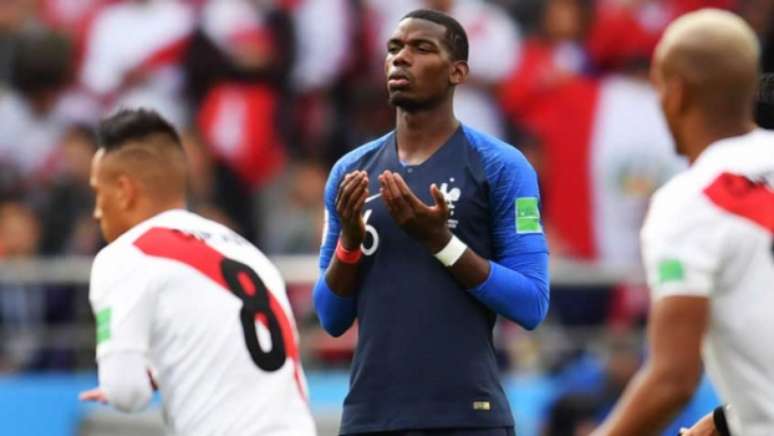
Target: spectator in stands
[(14, 16), (132, 55), (549, 98), (602, 156), (32, 121), (294, 224), (203, 196), (760, 15), (22, 306), (322, 31), (495, 51), (237, 69), (68, 16), (68, 226)]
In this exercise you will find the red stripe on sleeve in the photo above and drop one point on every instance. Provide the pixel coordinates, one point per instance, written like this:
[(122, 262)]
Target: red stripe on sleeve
[(743, 197)]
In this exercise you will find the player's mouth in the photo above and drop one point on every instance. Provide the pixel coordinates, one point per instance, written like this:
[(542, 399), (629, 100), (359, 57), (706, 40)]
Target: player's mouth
[(398, 80)]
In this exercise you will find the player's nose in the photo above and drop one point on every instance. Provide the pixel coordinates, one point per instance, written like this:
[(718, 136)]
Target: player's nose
[(402, 58)]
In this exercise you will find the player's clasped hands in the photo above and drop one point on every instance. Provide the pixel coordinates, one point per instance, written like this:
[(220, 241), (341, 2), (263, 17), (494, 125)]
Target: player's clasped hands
[(426, 224), (350, 200)]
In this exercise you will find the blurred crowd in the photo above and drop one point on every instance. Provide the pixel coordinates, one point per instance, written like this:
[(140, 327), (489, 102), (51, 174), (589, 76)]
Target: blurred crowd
[(269, 93)]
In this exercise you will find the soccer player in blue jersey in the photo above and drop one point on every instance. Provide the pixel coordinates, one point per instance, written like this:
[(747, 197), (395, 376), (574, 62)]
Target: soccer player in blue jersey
[(431, 232)]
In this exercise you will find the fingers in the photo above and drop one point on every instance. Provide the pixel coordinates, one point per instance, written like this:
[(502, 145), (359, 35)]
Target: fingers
[(359, 203), (440, 200), (352, 189), (397, 205), (345, 186), (95, 394), (356, 201), (391, 189)]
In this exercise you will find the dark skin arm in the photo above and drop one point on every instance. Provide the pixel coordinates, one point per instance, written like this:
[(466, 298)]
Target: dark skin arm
[(668, 379), (428, 225), (353, 191)]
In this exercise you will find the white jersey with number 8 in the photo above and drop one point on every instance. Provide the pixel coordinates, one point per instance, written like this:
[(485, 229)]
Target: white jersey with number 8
[(210, 313)]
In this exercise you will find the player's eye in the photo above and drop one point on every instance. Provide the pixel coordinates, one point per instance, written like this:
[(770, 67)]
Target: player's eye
[(425, 48), (393, 48)]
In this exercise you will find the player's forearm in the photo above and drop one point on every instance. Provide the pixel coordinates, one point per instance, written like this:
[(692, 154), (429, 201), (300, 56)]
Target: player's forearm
[(335, 311), (516, 288), (124, 379), (515, 295), (650, 402), (342, 278), (471, 270)]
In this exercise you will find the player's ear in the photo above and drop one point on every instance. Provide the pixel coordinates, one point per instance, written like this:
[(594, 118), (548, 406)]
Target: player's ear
[(682, 95), (127, 191), (458, 72), (676, 96)]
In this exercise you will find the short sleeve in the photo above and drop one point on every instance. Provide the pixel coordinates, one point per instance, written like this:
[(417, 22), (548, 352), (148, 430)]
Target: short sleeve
[(123, 299), (681, 244)]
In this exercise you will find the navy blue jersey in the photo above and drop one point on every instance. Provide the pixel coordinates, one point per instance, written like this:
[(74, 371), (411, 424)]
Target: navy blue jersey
[(425, 356)]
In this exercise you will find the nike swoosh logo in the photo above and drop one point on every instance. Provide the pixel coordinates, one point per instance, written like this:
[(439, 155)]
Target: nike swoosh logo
[(375, 196)]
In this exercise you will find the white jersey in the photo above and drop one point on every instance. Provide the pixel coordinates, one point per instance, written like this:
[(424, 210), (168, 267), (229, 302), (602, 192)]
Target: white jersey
[(211, 314), (709, 233)]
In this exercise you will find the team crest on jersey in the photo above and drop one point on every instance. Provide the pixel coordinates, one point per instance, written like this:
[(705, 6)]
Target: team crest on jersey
[(452, 196)]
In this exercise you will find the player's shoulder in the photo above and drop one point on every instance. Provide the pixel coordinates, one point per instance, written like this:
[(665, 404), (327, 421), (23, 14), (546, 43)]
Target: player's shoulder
[(683, 203), (750, 153), (114, 263), (681, 197), (497, 161), (120, 251), (124, 249), (494, 152), (351, 159), (747, 156)]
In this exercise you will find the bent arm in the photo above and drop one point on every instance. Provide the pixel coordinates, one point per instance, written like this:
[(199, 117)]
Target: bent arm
[(334, 291), (514, 283), (336, 313), (516, 288)]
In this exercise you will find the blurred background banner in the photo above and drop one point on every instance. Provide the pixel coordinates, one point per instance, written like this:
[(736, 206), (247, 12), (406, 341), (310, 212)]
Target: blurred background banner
[(267, 95)]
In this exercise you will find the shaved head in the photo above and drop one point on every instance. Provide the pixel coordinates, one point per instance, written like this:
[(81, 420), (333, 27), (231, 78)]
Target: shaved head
[(156, 162), (705, 70), (139, 170), (716, 55)]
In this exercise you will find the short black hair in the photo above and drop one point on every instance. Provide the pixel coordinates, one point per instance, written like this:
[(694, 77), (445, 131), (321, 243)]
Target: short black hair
[(133, 125), (456, 39)]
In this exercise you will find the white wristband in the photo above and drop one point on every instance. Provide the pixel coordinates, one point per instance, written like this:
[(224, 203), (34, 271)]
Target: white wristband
[(451, 253)]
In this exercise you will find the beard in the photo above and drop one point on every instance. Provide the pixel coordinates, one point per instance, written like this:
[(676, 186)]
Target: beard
[(413, 104)]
